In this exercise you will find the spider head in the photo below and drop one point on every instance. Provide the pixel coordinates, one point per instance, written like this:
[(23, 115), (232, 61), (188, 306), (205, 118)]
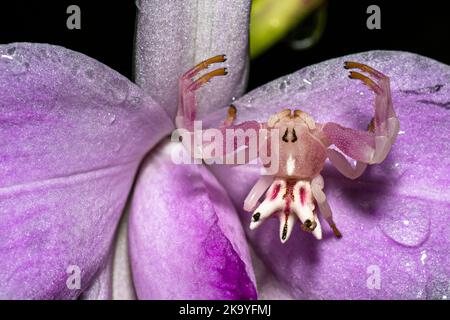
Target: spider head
[(290, 124), (286, 119)]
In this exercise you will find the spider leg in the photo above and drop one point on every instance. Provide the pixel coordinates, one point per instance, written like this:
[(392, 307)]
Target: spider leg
[(287, 222), (187, 104), (368, 147), (317, 185), (251, 201), (344, 167), (385, 121), (274, 202), (303, 206), (220, 148)]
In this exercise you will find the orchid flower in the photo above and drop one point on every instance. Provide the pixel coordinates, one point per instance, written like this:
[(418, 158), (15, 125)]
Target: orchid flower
[(77, 135)]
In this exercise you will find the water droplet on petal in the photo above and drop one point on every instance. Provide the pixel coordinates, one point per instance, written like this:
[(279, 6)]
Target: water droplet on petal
[(11, 51), (119, 90), (111, 117), (284, 84), (408, 226), (13, 65), (89, 74), (423, 256), (138, 4), (134, 101)]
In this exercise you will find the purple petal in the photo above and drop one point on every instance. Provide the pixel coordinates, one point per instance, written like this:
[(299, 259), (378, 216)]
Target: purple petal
[(73, 132), (394, 219), (173, 36), (101, 286), (185, 239)]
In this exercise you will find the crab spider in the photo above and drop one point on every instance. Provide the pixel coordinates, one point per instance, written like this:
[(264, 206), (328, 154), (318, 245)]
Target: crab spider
[(295, 190)]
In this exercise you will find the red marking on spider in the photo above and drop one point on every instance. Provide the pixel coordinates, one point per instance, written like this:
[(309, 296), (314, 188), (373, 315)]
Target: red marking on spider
[(302, 196), (287, 208), (275, 192)]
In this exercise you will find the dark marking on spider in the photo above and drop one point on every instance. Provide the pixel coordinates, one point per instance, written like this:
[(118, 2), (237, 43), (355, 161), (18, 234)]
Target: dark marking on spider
[(285, 136), (283, 236), (294, 136), (256, 216)]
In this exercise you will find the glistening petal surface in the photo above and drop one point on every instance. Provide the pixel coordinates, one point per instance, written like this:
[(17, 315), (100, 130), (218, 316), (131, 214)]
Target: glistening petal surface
[(395, 218), (173, 36), (185, 238), (72, 134)]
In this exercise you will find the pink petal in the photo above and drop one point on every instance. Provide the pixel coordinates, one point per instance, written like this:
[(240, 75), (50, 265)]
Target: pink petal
[(173, 36), (185, 239), (73, 132), (394, 219)]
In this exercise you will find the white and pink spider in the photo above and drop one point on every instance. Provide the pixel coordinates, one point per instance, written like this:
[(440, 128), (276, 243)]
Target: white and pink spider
[(304, 145)]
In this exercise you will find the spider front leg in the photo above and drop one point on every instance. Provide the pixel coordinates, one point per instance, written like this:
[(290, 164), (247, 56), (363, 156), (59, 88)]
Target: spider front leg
[(372, 146), (252, 199), (231, 139), (187, 104), (385, 123)]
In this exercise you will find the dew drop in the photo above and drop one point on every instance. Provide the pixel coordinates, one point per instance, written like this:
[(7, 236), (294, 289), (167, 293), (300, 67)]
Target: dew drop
[(408, 226), (138, 4), (134, 101), (89, 74), (13, 65), (111, 117), (284, 85), (423, 256), (119, 90), (11, 51), (75, 69)]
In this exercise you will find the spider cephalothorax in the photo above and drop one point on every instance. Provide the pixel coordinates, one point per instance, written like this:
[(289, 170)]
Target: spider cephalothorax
[(295, 189)]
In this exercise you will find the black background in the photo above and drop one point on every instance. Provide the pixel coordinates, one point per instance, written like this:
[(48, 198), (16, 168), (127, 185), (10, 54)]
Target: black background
[(108, 27)]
